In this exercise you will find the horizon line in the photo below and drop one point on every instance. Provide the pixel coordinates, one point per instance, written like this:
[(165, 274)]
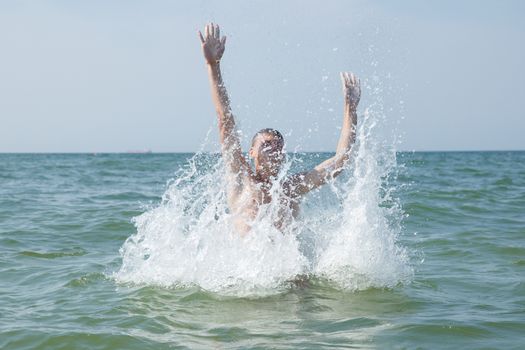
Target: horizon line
[(217, 152)]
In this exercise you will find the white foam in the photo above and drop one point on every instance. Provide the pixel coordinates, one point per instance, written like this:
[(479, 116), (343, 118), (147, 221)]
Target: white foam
[(347, 233), (362, 251)]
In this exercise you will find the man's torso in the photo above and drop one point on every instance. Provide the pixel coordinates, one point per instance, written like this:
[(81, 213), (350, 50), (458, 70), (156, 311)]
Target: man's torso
[(281, 204)]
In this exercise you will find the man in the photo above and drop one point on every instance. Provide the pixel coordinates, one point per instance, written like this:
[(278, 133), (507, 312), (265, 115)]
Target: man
[(248, 189)]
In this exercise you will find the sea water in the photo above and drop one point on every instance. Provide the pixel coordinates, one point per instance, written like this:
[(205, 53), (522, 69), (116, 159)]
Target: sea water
[(133, 251)]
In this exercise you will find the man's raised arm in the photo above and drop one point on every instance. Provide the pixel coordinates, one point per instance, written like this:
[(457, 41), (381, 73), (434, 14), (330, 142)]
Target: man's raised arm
[(332, 167), (213, 48)]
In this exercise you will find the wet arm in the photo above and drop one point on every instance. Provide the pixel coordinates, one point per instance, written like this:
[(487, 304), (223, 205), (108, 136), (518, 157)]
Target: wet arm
[(333, 166), (231, 146), (213, 48)]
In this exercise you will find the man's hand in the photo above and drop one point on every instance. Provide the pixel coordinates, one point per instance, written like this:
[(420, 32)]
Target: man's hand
[(212, 43), (351, 89)]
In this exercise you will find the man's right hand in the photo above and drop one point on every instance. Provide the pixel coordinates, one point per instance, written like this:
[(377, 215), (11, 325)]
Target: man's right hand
[(212, 43)]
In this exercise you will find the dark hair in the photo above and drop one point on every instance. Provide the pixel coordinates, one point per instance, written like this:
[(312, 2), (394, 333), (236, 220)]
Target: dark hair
[(269, 131)]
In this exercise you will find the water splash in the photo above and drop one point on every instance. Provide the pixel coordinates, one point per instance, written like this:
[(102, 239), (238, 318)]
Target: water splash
[(347, 233), (362, 250)]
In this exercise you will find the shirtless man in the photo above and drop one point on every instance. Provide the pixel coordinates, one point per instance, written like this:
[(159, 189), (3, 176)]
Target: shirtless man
[(249, 188)]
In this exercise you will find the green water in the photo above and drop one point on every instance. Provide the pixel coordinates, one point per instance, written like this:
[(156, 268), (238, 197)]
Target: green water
[(64, 217)]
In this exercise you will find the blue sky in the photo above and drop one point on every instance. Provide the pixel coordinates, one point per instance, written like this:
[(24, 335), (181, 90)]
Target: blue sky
[(113, 76)]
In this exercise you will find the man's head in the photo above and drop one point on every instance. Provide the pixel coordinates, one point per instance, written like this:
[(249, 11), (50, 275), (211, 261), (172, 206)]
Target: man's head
[(267, 152)]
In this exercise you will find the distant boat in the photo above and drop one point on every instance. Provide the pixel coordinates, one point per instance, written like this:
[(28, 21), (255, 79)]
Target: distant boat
[(141, 151)]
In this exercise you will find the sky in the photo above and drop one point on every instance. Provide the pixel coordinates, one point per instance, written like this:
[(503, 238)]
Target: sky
[(123, 75)]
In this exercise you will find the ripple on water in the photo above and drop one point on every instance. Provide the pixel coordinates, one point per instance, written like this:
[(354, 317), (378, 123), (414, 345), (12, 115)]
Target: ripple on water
[(9, 242), (54, 254), (504, 181), (520, 262), (65, 340), (446, 333), (86, 280)]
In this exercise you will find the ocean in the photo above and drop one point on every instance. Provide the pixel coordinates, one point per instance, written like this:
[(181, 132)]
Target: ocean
[(408, 250)]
